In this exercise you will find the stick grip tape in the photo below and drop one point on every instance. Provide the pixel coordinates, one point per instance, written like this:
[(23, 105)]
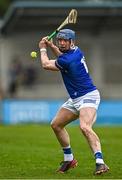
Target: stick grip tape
[(52, 35)]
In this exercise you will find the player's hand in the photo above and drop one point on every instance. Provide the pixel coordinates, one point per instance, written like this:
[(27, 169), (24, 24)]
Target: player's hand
[(43, 43), (49, 42)]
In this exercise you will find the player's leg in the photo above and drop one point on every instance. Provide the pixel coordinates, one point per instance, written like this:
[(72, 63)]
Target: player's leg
[(87, 119), (63, 117), (87, 116)]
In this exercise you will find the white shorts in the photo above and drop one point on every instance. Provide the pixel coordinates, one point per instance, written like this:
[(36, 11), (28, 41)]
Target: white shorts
[(91, 99)]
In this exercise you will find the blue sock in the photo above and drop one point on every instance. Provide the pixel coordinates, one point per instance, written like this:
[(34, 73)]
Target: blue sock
[(67, 150), (99, 157), (68, 156)]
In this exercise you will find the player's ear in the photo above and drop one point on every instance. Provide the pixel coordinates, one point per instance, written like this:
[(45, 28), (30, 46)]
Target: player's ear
[(72, 43)]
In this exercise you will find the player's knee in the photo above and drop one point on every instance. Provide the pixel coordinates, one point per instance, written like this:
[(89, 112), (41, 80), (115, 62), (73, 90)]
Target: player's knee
[(85, 129), (54, 125)]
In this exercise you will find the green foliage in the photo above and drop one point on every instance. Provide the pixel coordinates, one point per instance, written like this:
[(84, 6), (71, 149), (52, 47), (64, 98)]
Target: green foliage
[(32, 151), (4, 5)]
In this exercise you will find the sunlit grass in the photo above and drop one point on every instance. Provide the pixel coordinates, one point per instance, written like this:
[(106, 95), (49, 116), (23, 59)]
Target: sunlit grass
[(32, 151)]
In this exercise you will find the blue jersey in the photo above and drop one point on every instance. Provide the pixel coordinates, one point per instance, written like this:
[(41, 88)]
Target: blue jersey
[(75, 73)]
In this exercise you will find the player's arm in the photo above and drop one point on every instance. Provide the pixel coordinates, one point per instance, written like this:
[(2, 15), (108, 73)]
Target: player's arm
[(45, 61), (53, 47)]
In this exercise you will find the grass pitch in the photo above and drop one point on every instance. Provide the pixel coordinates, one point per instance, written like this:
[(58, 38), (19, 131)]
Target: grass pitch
[(32, 151)]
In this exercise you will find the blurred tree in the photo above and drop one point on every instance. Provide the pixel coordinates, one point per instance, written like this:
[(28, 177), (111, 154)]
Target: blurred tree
[(4, 5)]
